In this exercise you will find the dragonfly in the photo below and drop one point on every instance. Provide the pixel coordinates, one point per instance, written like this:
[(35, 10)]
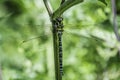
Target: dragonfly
[(45, 31), (37, 31)]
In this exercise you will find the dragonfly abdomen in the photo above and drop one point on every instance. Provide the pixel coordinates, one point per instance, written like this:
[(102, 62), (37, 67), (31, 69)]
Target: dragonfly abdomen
[(60, 52)]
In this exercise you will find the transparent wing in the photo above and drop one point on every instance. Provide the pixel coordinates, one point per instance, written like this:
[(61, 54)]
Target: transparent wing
[(32, 32), (76, 39), (44, 31)]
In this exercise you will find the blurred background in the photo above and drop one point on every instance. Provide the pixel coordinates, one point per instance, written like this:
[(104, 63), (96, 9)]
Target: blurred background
[(90, 48)]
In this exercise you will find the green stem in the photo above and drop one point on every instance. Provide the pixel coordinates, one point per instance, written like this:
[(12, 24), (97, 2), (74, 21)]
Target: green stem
[(66, 5), (48, 7)]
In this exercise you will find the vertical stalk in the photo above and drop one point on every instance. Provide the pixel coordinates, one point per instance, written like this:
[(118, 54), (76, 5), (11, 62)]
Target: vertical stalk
[(55, 41), (53, 16), (115, 25), (48, 7)]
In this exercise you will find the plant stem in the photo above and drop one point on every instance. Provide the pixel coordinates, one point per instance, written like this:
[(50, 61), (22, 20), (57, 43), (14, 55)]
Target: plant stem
[(66, 5), (48, 7), (53, 15), (115, 20)]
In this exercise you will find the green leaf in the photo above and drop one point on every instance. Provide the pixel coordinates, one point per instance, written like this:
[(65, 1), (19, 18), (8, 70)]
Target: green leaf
[(103, 1)]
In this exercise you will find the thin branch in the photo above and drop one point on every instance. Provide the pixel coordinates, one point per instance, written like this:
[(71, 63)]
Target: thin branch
[(48, 7), (115, 25), (115, 20), (66, 5)]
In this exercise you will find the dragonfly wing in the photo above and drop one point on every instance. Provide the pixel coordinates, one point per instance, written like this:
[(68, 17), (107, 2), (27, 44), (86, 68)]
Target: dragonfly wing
[(70, 30), (32, 32), (77, 33)]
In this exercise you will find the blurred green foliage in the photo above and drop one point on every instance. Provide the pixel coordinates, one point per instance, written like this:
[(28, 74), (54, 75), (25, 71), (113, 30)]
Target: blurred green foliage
[(90, 48)]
